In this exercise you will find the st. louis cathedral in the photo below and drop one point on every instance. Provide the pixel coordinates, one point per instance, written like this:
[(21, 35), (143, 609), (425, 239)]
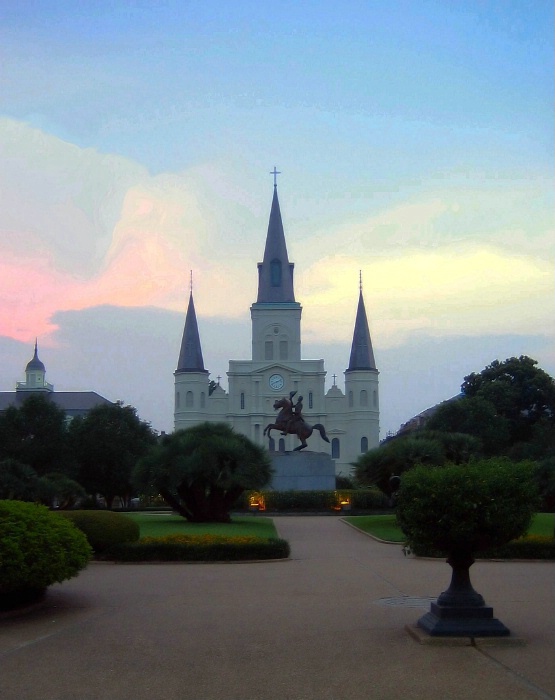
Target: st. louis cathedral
[(351, 418)]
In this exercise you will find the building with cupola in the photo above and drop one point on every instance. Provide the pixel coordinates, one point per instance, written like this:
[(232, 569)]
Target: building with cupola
[(73, 403), (276, 368)]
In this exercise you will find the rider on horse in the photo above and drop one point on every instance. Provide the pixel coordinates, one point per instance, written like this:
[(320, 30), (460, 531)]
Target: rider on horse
[(296, 414)]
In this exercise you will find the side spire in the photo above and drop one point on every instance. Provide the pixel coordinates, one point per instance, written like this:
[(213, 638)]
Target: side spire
[(362, 355), (190, 355), (275, 272)]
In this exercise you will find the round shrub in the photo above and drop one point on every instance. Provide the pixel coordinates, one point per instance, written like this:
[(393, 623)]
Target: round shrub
[(468, 507), (37, 548), (103, 528)]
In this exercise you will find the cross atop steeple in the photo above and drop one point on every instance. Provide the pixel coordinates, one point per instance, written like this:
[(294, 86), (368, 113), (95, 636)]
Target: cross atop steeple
[(275, 173)]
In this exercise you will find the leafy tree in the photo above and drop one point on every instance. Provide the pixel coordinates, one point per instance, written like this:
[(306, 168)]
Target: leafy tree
[(377, 466), (201, 471), (474, 416), (18, 481), (36, 434), (458, 448), (520, 391), (107, 443), (59, 491)]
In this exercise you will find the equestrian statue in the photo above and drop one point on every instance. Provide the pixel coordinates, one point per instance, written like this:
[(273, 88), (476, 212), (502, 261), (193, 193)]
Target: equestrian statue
[(290, 421)]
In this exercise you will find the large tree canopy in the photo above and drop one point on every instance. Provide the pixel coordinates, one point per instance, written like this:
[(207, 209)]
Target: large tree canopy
[(107, 443), (201, 471), (520, 391), (36, 434)]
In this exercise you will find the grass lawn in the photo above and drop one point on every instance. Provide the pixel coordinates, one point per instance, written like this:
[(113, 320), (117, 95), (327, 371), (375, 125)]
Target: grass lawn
[(385, 527), (161, 524)]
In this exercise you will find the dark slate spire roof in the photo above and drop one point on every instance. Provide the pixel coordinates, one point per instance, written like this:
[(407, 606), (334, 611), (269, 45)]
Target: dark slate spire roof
[(275, 272), (35, 364), (362, 355), (190, 356)]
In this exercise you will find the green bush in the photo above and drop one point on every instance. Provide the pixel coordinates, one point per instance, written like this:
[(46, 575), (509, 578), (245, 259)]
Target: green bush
[(103, 528), (37, 548), (166, 551), (473, 507)]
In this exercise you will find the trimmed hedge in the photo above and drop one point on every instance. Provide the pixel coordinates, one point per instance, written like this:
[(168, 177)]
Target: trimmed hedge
[(103, 528), (163, 549), (37, 548), (371, 499), (528, 547)]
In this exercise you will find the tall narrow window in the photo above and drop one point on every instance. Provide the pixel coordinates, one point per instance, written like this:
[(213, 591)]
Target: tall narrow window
[(189, 399), (364, 445), (242, 399), (375, 399), (272, 445), (364, 398), (177, 399), (310, 399), (275, 273), (335, 450), (202, 399), (350, 399), (257, 432), (269, 350), (281, 445), (283, 350)]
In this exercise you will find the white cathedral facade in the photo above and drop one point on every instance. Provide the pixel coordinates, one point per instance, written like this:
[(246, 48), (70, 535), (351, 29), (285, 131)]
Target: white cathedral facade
[(351, 418)]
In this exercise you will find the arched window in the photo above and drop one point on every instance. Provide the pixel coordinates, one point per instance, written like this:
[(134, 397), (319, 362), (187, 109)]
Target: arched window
[(177, 399), (335, 450), (275, 273), (202, 399), (350, 399), (364, 445), (364, 398), (272, 445), (375, 399), (242, 399), (310, 400), (281, 445), (189, 399)]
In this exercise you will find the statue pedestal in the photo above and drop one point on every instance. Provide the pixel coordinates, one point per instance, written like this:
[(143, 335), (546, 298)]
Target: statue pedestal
[(302, 471)]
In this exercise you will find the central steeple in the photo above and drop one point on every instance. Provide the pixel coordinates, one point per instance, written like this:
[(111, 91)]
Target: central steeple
[(276, 316), (275, 272)]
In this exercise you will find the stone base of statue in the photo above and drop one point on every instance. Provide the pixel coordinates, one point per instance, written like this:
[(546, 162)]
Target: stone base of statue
[(302, 471)]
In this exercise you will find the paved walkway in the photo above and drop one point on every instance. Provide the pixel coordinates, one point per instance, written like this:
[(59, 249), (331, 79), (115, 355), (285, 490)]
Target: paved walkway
[(315, 627)]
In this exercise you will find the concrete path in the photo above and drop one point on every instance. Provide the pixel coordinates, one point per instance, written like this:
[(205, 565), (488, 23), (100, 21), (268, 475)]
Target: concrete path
[(318, 626)]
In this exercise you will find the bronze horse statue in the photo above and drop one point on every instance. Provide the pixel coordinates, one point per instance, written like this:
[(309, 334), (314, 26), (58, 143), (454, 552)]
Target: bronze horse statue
[(290, 421)]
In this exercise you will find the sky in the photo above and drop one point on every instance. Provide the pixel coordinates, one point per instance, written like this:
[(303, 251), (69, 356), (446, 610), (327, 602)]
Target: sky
[(414, 141)]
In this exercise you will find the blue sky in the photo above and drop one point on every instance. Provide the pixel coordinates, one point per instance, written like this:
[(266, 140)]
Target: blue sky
[(415, 141)]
